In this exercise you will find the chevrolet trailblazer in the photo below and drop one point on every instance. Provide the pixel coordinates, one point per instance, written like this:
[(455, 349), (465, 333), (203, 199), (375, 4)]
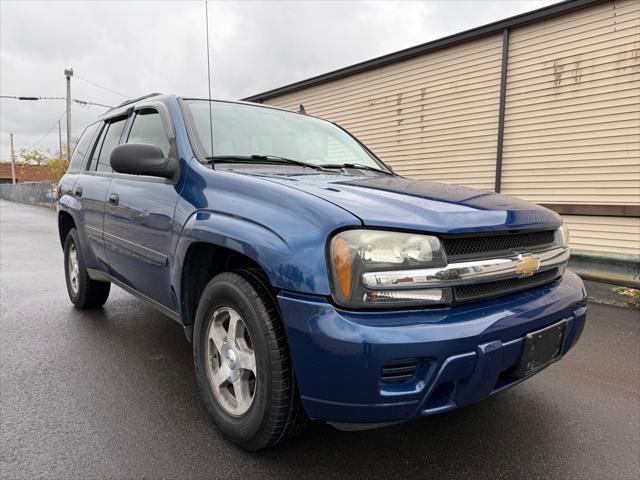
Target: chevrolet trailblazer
[(313, 281)]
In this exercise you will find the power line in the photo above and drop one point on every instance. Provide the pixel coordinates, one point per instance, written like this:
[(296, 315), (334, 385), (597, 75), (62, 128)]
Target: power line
[(100, 86), (75, 100), (48, 131), (31, 98)]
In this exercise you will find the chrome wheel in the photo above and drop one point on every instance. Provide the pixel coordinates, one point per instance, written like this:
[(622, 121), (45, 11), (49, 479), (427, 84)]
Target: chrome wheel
[(231, 361), (73, 268)]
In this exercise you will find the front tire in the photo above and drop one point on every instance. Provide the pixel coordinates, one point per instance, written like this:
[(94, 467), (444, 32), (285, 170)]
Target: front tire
[(242, 362), (83, 292)]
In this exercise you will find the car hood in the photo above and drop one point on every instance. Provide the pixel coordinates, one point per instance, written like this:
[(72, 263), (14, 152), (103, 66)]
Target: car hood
[(398, 202)]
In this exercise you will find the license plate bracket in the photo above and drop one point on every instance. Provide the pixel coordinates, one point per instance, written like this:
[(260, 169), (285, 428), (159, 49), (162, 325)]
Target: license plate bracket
[(541, 348)]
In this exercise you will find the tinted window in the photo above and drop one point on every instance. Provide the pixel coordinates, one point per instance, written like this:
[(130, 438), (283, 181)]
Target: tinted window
[(110, 139), (148, 128), (246, 130), (91, 164), (83, 147)]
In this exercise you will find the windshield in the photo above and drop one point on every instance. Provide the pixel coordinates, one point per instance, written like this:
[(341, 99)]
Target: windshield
[(245, 130)]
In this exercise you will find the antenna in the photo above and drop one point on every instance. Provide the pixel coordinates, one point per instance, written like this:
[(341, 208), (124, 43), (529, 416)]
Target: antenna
[(206, 16)]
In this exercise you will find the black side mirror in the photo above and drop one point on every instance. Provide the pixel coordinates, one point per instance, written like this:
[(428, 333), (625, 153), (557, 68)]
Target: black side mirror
[(143, 159)]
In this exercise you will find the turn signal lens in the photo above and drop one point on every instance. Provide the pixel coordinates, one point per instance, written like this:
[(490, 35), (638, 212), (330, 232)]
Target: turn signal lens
[(343, 264), (565, 230), (562, 236)]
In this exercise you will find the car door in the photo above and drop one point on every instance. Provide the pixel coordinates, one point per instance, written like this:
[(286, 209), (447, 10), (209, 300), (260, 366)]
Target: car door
[(66, 187), (76, 166), (139, 214), (92, 186)]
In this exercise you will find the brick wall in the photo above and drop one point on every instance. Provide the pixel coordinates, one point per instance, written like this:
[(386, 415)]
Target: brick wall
[(26, 173)]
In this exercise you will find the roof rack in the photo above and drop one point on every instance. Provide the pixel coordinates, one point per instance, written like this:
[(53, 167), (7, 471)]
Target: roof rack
[(134, 100)]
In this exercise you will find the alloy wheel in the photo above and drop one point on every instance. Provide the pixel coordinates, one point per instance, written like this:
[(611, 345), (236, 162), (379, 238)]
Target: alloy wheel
[(231, 361), (73, 268)]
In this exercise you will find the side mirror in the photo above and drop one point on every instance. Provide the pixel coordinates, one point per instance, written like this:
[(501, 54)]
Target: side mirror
[(142, 159)]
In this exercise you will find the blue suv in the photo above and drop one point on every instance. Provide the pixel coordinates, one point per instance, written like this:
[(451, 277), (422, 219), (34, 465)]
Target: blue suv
[(313, 281)]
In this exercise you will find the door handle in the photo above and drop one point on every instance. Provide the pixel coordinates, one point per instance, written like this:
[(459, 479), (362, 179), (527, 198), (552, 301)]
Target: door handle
[(114, 198), (78, 191)]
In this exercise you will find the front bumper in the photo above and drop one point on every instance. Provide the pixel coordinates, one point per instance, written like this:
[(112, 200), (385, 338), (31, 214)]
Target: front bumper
[(464, 353)]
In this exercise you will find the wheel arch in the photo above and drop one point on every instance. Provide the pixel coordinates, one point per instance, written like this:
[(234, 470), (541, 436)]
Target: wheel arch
[(202, 262), (212, 243), (65, 223)]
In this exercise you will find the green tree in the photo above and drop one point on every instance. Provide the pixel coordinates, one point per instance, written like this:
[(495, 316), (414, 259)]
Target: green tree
[(58, 166), (32, 157)]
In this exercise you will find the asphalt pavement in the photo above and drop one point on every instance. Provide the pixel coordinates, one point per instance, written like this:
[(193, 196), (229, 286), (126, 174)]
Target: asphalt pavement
[(112, 394)]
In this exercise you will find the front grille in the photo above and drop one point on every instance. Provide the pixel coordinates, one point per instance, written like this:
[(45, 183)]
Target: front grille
[(466, 293), (490, 245), (399, 371)]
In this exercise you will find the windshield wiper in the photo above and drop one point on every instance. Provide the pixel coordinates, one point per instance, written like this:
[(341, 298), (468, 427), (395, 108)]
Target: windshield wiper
[(358, 166), (273, 159)]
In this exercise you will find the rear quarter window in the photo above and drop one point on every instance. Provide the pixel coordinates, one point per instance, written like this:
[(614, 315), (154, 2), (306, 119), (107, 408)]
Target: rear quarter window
[(112, 134), (83, 147)]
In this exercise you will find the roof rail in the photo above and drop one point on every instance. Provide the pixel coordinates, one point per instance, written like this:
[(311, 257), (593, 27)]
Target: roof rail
[(134, 100)]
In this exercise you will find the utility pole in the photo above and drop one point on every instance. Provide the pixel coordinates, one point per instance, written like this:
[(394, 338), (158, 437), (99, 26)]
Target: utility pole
[(13, 161), (60, 137), (68, 72)]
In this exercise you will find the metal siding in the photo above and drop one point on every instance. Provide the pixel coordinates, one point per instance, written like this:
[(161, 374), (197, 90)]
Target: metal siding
[(604, 234), (572, 125), (572, 131), (432, 117)]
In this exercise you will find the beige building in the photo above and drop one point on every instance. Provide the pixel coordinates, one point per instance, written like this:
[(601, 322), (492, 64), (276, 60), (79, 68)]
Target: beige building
[(544, 106)]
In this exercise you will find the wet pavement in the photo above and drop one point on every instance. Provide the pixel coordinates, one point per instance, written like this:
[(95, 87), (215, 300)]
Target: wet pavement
[(112, 394)]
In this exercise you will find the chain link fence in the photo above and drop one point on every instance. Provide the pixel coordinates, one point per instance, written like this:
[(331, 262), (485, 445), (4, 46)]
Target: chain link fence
[(44, 194)]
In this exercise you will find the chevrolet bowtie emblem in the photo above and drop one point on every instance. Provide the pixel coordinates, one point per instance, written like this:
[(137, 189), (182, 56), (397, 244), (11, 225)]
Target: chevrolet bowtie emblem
[(527, 265)]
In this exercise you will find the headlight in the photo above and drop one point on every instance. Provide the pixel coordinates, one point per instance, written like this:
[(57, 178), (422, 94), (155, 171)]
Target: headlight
[(562, 236), (355, 252)]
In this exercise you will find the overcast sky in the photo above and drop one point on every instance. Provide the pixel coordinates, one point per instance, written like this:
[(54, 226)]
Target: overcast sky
[(139, 47)]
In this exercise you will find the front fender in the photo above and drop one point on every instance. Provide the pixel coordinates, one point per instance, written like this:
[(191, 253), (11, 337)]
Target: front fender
[(283, 230), (261, 244)]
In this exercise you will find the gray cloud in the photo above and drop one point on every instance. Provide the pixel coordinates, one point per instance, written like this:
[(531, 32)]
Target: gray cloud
[(139, 47)]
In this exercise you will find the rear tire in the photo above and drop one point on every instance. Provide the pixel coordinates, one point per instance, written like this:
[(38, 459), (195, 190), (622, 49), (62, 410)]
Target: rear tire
[(84, 293), (269, 410)]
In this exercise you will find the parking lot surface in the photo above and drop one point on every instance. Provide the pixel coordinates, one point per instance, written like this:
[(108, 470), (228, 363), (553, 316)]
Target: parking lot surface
[(112, 394)]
